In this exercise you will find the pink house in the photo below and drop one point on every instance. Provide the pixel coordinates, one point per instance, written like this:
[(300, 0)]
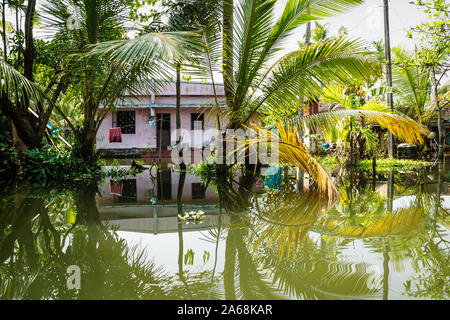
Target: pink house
[(149, 121)]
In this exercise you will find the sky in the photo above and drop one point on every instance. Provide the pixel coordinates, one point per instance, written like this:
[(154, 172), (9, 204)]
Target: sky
[(366, 22)]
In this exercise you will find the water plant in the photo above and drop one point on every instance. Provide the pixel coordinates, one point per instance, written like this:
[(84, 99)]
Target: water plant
[(193, 217)]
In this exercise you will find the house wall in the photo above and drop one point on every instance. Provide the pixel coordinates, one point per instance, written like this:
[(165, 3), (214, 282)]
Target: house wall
[(193, 97), (145, 136)]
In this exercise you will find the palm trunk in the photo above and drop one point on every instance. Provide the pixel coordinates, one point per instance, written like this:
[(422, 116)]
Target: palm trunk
[(178, 101), (308, 34), (29, 50), (227, 54), (227, 66), (180, 226), (5, 46), (86, 139), (178, 112), (390, 192)]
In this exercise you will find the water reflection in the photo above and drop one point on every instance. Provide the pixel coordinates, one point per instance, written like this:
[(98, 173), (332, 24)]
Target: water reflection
[(386, 239)]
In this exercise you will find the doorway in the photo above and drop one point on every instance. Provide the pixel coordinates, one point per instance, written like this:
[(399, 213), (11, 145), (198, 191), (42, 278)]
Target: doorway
[(164, 185), (163, 130)]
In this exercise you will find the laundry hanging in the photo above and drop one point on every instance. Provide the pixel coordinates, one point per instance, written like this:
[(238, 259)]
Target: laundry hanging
[(115, 134), (116, 188)]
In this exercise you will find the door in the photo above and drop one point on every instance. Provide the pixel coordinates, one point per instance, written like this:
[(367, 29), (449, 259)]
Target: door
[(163, 130)]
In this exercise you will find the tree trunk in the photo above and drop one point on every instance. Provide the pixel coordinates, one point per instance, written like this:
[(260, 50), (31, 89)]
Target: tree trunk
[(390, 192), (29, 44), (227, 66), (299, 174), (178, 101), (85, 147)]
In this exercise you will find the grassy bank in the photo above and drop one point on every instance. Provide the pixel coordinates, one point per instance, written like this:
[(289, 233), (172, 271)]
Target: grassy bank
[(331, 162)]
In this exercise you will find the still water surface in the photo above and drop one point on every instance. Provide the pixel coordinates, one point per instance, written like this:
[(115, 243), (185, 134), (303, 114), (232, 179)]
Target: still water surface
[(386, 238)]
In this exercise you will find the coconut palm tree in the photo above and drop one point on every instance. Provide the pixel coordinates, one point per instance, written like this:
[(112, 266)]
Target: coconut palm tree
[(412, 83), (99, 79), (260, 75), (184, 15)]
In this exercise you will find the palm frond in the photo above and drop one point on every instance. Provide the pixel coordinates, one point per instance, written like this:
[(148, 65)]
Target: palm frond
[(285, 219), (305, 73), (16, 85), (145, 50), (404, 221), (292, 152), (295, 14), (401, 126)]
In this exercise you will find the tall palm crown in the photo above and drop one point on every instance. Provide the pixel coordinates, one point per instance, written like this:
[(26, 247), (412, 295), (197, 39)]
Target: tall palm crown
[(259, 77)]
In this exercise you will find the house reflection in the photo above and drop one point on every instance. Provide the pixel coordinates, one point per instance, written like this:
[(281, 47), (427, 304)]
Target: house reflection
[(148, 202), (162, 185)]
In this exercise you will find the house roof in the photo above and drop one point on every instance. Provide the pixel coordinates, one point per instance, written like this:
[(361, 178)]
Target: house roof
[(164, 105)]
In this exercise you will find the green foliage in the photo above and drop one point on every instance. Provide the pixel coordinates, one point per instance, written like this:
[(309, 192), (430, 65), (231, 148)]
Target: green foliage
[(192, 217), (8, 165), (434, 35), (351, 125), (48, 165), (388, 164), (320, 32), (117, 172), (206, 171), (411, 84)]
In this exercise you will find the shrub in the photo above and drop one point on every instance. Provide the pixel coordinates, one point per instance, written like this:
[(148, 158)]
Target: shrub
[(47, 165)]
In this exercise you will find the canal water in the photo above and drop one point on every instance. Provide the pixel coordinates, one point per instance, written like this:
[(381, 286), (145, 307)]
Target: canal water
[(387, 237)]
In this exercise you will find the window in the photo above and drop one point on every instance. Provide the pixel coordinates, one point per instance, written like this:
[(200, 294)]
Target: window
[(126, 120), (198, 191), (197, 117)]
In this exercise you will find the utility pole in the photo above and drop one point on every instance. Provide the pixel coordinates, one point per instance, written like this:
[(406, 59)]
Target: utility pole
[(299, 174), (387, 51), (308, 34)]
